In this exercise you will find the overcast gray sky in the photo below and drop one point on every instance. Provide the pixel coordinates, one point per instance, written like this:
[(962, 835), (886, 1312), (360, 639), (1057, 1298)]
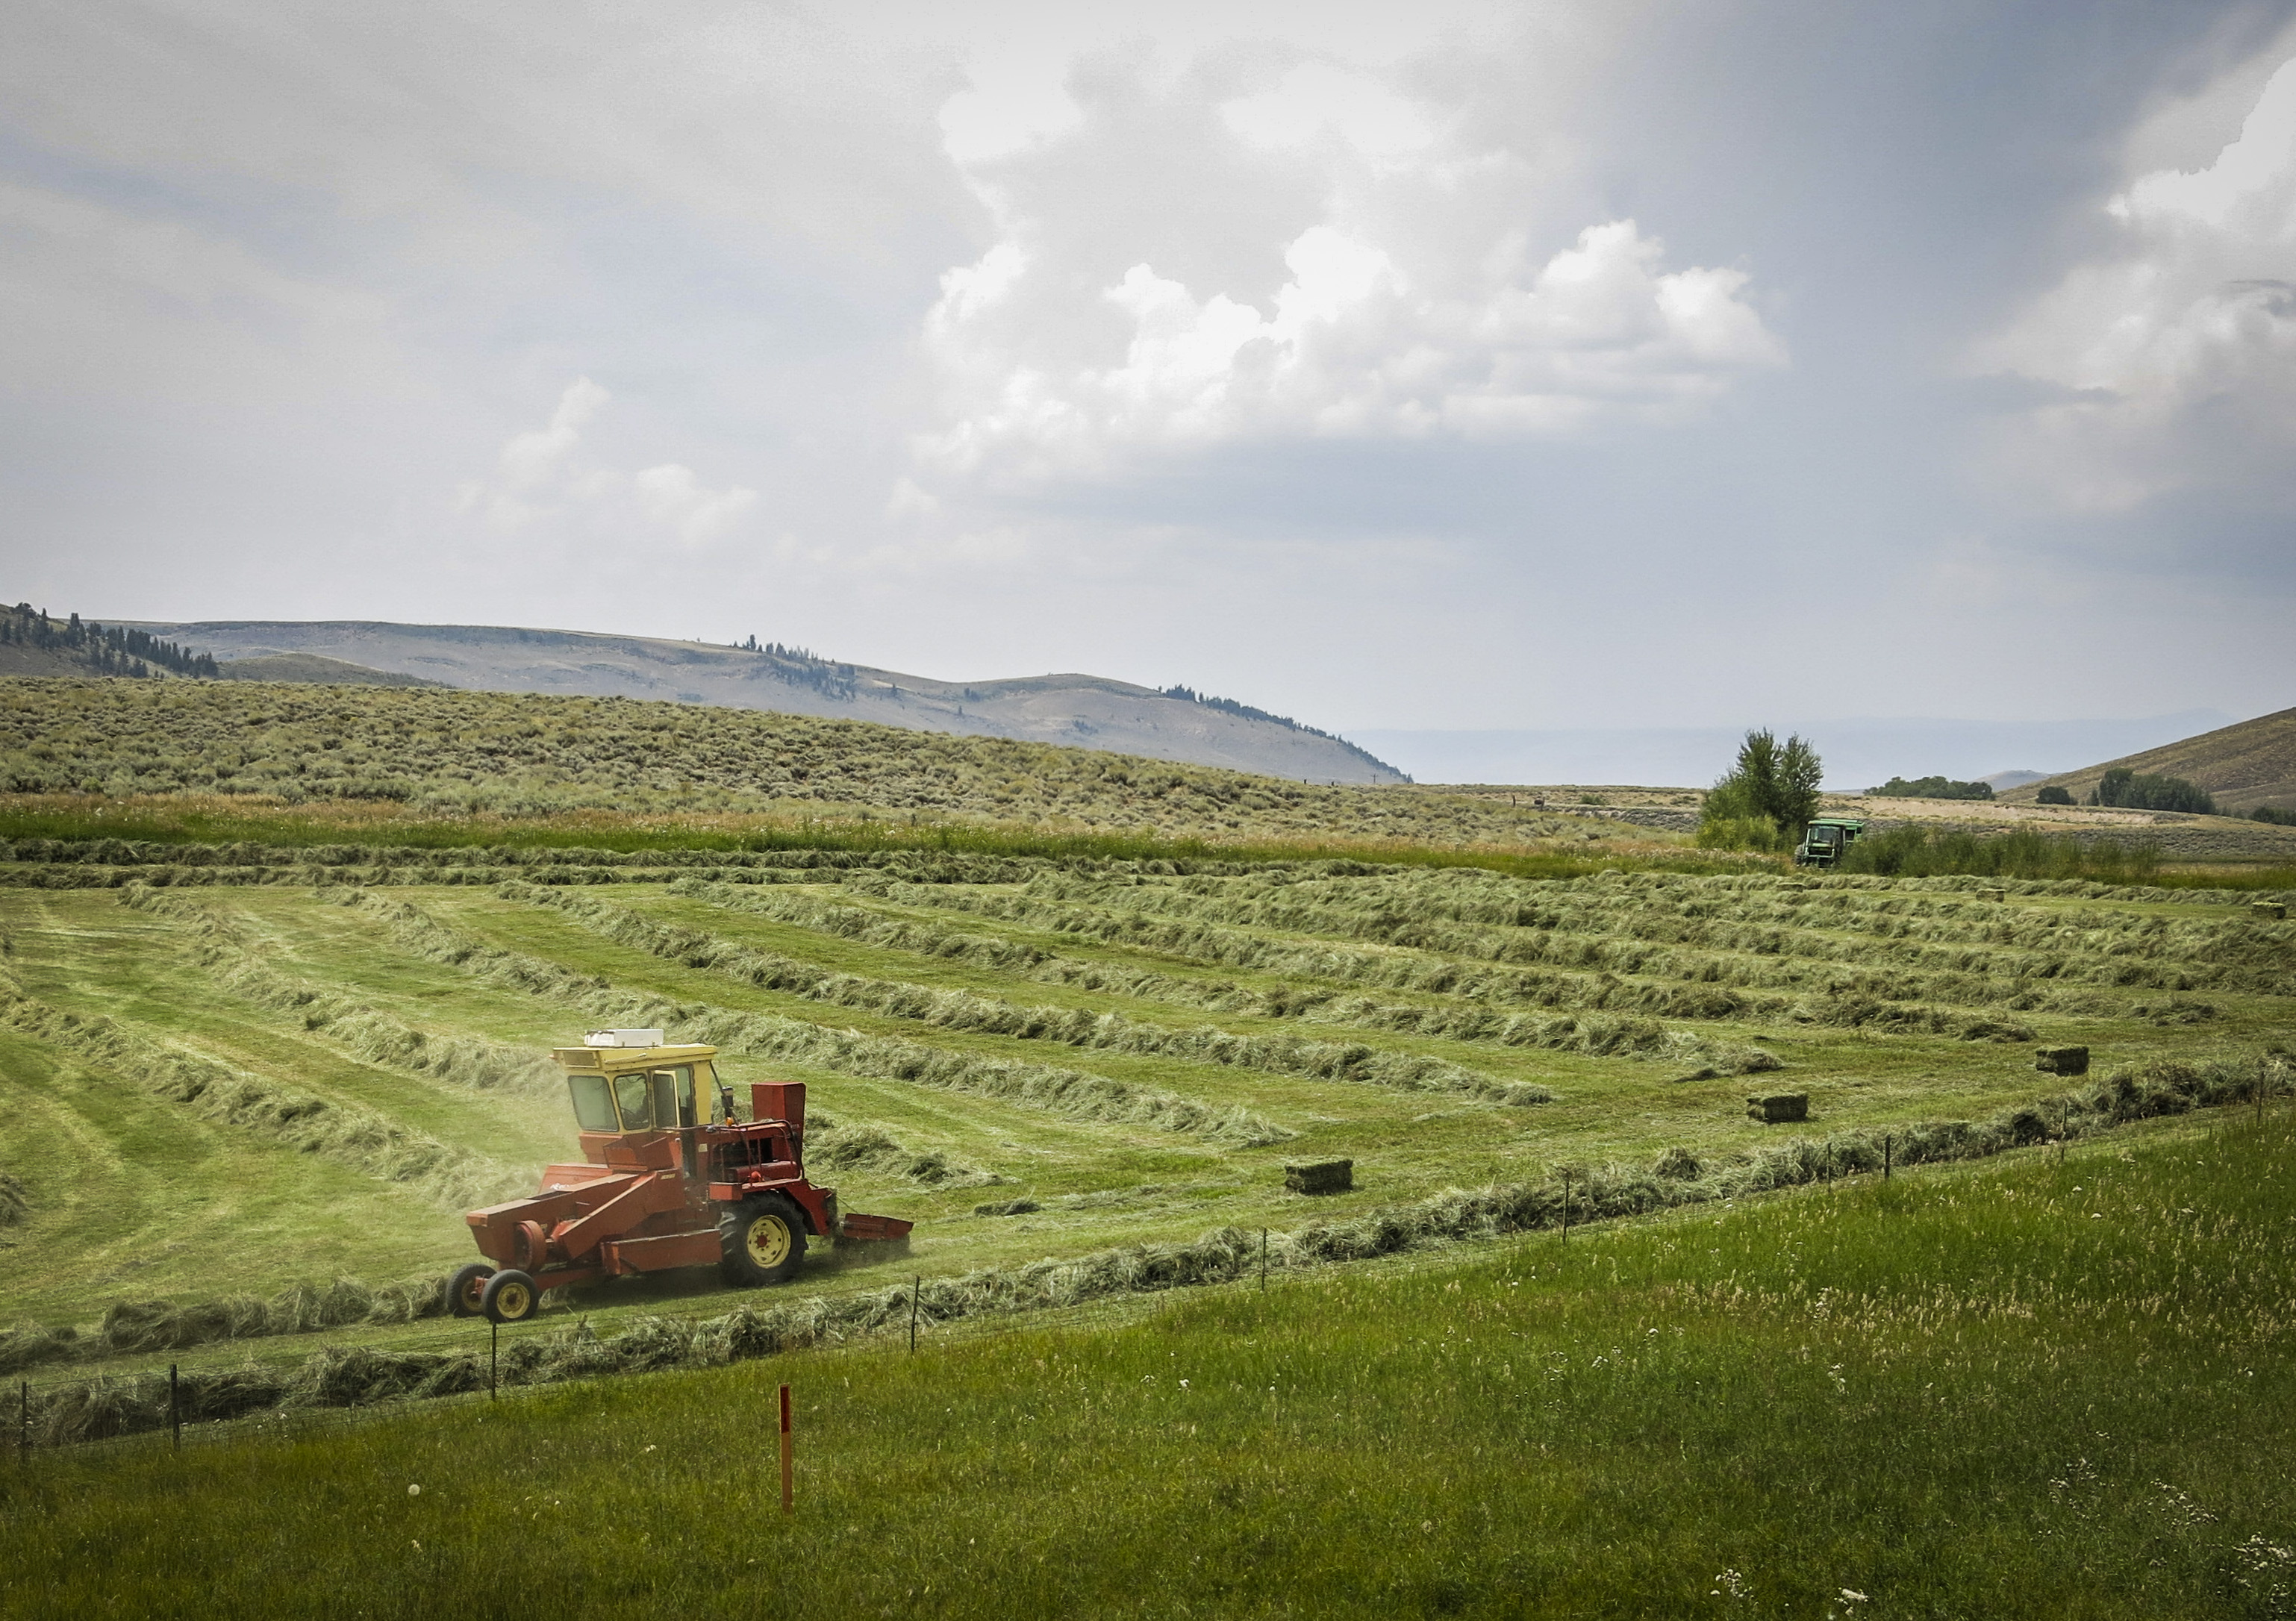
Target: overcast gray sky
[(1447, 365)]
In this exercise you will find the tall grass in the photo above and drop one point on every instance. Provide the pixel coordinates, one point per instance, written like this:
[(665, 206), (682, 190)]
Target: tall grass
[(1915, 851)]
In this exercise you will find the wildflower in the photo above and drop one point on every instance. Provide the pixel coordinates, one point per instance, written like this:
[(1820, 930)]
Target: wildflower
[(1851, 1595), (414, 1491)]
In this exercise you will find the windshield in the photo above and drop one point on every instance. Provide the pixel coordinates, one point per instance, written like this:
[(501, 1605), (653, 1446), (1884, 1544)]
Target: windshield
[(1824, 835), (594, 1107)]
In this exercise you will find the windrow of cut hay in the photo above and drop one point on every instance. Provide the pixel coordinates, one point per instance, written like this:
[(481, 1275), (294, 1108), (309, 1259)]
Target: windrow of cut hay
[(957, 1010), (1833, 993), (2121, 950), (1604, 922), (341, 1378), (1074, 1093), (348, 1133), (1311, 1004), (242, 965), (1607, 1015)]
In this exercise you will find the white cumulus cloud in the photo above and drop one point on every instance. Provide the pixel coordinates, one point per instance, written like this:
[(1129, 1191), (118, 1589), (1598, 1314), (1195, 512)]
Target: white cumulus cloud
[(2176, 350), (1349, 346)]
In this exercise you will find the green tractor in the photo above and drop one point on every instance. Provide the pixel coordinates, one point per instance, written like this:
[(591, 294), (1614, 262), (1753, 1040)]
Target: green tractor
[(1824, 839)]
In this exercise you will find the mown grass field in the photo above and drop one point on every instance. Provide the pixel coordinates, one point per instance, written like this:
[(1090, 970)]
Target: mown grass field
[(2016, 1388), (231, 1078)]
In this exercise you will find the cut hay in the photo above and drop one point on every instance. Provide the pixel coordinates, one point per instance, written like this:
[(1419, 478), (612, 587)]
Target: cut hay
[(1074, 1093), (349, 1133)]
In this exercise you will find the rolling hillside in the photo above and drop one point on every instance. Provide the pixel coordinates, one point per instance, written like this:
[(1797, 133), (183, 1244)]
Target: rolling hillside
[(1083, 711), (2246, 765), (436, 750)]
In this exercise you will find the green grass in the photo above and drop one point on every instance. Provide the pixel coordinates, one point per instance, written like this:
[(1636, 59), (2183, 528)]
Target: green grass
[(2023, 1388)]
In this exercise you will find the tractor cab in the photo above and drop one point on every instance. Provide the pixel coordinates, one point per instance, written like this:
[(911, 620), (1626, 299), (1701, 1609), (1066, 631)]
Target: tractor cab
[(630, 1089), (1825, 839)]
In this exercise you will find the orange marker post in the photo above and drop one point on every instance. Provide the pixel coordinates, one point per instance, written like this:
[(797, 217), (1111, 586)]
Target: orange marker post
[(788, 1479)]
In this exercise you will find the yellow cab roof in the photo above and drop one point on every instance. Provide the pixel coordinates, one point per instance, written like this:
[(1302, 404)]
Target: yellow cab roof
[(629, 1057)]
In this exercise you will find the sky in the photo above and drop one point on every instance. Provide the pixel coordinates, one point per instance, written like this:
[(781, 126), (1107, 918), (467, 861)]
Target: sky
[(1452, 366)]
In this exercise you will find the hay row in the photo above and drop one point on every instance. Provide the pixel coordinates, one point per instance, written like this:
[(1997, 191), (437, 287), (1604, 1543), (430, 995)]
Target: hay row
[(1076, 1094), (1849, 998), (237, 964), (1956, 933), (349, 1133), (336, 1376), (956, 1009), (1308, 1003)]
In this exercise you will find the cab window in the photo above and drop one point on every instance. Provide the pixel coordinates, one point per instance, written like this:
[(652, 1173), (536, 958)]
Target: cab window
[(630, 1096), (593, 1105)]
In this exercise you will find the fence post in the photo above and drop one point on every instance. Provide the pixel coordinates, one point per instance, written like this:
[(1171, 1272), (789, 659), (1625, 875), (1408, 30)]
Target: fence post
[(788, 1483), (24, 1423), (494, 1358), (915, 1289), (1566, 1207), (175, 1412), (1886, 1144), (1263, 1260)]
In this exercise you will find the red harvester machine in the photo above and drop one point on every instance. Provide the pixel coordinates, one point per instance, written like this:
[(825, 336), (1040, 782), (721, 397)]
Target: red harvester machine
[(661, 1186)]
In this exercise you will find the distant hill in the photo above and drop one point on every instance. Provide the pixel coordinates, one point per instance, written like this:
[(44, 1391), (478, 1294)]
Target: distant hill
[(314, 667), (2242, 765), (1079, 711), (441, 751)]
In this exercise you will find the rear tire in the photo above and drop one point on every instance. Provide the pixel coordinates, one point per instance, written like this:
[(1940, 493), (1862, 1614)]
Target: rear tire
[(464, 1288), (760, 1240), (509, 1297)]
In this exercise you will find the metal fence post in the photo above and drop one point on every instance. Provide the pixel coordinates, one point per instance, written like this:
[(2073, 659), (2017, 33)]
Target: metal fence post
[(24, 1423), (494, 1358), (175, 1412), (1566, 1207), (1263, 1260), (1888, 1143), (915, 1289)]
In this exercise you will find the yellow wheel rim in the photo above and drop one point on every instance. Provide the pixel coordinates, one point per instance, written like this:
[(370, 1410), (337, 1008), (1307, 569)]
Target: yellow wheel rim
[(513, 1301), (768, 1242)]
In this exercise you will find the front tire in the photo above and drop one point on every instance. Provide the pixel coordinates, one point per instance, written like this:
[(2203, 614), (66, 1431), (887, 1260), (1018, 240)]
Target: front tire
[(760, 1240), (509, 1297), (464, 1288)]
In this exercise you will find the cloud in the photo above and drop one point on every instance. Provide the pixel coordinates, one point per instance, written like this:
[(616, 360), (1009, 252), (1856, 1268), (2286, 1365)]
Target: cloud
[(542, 480), (2181, 339), (1329, 269)]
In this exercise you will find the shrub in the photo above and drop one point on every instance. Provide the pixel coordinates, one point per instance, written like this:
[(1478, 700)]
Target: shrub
[(1923, 852), (2124, 788), (1934, 788), (2052, 795), (2273, 814)]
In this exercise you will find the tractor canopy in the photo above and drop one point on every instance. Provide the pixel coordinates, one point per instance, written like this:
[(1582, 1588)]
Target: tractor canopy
[(620, 1090)]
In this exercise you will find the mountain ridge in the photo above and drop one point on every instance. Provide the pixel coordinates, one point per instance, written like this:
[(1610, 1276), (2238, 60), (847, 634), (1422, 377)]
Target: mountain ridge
[(1075, 709)]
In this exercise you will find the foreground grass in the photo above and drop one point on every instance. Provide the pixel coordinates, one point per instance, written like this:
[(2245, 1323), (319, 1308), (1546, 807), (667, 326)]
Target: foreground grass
[(2024, 1389)]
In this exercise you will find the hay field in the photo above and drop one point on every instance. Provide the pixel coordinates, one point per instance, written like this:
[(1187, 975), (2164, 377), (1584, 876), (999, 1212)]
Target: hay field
[(236, 1080)]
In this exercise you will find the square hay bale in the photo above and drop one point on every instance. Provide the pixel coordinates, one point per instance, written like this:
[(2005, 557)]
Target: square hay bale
[(2267, 908), (2062, 1060), (1329, 1176), (1779, 1108)]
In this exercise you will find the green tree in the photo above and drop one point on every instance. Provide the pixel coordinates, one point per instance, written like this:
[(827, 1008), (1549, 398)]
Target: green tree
[(1772, 785)]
